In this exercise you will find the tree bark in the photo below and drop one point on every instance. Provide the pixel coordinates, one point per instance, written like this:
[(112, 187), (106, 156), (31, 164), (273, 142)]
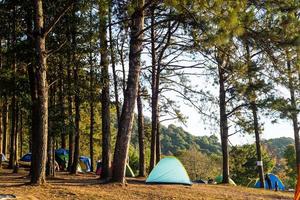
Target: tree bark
[(13, 99), (39, 139), (70, 115), (294, 112), (158, 148), (105, 101), (92, 98), (62, 107), (258, 146), (154, 97), (254, 110), (16, 139), (223, 119), (4, 124), (127, 115), (113, 65), (141, 134)]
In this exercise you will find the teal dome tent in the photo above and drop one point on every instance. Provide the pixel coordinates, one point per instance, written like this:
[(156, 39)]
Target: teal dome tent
[(169, 170)]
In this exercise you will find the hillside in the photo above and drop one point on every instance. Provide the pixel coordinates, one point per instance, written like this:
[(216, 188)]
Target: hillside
[(278, 145)]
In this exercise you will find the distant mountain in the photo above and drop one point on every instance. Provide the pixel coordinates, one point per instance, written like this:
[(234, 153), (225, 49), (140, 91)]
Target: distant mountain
[(278, 145), (175, 139)]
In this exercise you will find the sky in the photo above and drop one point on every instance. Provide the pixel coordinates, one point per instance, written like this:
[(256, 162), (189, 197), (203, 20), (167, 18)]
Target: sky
[(195, 126)]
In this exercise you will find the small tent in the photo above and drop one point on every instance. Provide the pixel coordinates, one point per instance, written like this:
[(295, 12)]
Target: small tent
[(3, 158), (129, 171), (219, 179), (273, 179), (85, 163), (62, 157), (26, 158), (169, 170)]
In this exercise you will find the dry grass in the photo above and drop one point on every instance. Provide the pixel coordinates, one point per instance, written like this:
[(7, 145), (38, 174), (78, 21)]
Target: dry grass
[(87, 186)]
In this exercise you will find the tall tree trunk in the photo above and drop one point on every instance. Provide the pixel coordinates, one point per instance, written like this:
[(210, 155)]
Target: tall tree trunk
[(113, 63), (13, 100), (39, 139), (62, 107), (105, 101), (294, 111), (21, 134), (12, 134), (4, 124), (223, 120), (154, 97), (77, 92), (16, 139), (0, 127), (141, 134), (158, 149), (50, 164), (258, 146), (92, 109), (254, 110), (70, 115), (127, 115)]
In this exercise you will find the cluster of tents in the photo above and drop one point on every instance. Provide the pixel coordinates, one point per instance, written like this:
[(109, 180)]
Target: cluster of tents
[(62, 158), (177, 174), (168, 170)]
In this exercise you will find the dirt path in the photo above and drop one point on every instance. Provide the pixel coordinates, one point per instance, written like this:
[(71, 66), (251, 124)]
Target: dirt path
[(87, 186)]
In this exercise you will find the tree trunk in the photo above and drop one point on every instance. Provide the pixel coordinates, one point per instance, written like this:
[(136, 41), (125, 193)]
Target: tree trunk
[(0, 126), (21, 134), (70, 116), (223, 120), (105, 101), (141, 134), (13, 100), (50, 164), (92, 111), (62, 107), (158, 149), (4, 124), (258, 146), (39, 139), (12, 133), (16, 139), (113, 65), (254, 110), (77, 120), (127, 115), (294, 112), (154, 97)]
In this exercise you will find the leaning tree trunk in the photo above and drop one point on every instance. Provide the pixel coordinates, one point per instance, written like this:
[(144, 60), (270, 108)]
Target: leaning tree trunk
[(223, 121), (141, 134), (39, 150), (127, 115), (105, 101)]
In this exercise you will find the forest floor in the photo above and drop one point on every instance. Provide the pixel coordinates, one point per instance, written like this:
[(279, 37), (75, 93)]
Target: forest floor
[(88, 186)]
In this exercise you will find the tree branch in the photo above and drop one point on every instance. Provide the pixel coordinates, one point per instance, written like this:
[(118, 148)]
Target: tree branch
[(56, 19)]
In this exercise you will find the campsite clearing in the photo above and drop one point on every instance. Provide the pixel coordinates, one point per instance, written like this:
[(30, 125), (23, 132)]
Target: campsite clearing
[(87, 186)]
